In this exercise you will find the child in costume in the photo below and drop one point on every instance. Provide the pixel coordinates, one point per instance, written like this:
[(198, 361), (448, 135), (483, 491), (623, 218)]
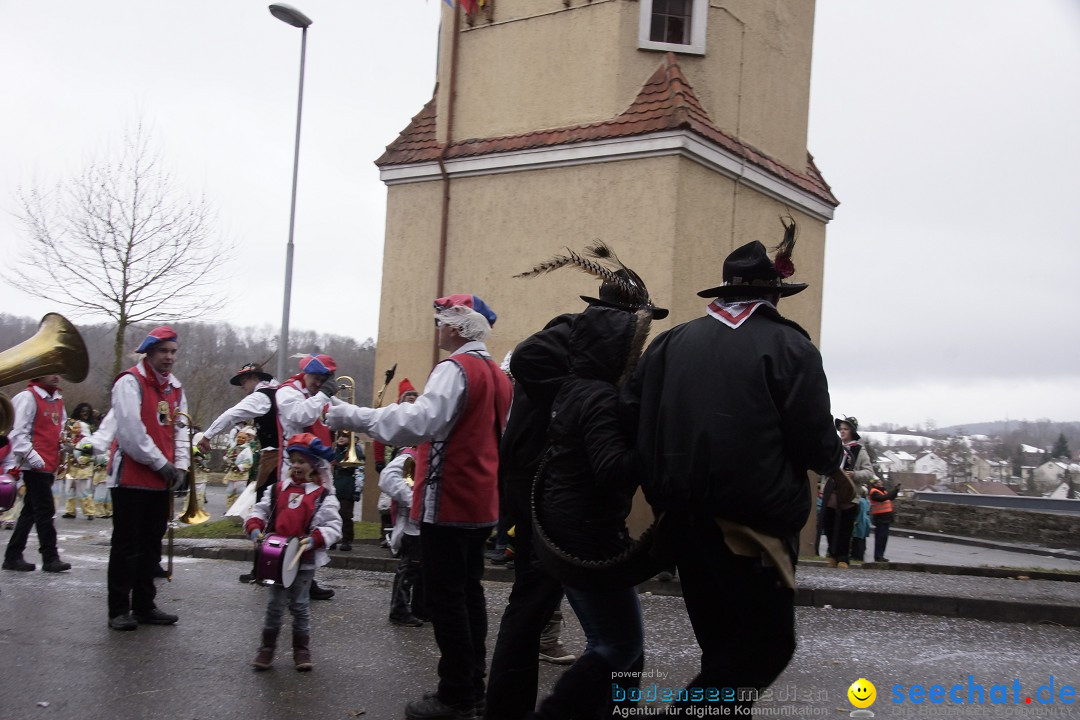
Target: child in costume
[(102, 495), (238, 461), (300, 504), (79, 477), (202, 470)]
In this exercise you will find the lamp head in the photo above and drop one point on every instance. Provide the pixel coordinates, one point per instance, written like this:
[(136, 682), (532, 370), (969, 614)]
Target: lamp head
[(289, 14)]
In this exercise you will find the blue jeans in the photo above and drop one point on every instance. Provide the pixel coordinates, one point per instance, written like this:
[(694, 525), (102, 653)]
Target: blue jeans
[(614, 638), (297, 597)]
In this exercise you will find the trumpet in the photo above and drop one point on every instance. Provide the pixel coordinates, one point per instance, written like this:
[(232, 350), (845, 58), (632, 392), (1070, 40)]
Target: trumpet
[(347, 388), (193, 514)]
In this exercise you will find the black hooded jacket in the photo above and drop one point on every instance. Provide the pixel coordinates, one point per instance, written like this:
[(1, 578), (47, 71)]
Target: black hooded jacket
[(589, 477)]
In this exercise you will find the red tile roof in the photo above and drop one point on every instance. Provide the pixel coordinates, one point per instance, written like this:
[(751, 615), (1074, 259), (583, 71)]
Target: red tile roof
[(666, 102)]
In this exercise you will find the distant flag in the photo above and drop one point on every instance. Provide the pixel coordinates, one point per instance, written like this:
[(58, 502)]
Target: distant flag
[(469, 5)]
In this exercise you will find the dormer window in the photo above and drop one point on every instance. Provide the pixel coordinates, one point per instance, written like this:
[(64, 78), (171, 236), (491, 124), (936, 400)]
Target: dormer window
[(673, 25)]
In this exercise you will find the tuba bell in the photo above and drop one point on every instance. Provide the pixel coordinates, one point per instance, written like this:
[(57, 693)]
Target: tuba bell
[(56, 348)]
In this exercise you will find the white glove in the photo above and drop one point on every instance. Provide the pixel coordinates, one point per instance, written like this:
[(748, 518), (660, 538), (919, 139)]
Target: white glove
[(343, 416)]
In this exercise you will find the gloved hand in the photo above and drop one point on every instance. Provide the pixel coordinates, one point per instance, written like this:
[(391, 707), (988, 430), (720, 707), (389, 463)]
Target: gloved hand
[(329, 387), (173, 476)]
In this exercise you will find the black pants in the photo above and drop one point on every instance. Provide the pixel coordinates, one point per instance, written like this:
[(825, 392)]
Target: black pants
[(37, 511), (839, 525), (139, 521), (743, 617), (407, 597), (347, 528), (881, 538), (453, 560), (512, 685)]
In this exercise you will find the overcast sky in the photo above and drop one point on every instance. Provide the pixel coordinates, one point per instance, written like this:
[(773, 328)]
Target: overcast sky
[(947, 129)]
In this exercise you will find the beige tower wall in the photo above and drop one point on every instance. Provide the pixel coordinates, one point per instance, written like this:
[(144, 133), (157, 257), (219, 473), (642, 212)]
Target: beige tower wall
[(541, 65)]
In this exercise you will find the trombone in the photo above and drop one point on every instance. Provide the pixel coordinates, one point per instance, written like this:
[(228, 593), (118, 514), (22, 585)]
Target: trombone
[(193, 514), (347, 388)]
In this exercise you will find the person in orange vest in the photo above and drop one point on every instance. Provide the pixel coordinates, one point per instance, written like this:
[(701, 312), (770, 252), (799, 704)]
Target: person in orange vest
[(881, 513)]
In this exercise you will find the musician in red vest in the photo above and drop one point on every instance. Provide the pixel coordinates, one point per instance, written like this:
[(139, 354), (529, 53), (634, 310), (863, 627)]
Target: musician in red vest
[(459, 419), (148, 459), (35, 453)]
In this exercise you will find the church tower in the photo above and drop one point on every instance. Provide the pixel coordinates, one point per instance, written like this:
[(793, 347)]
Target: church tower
[(673, 130)]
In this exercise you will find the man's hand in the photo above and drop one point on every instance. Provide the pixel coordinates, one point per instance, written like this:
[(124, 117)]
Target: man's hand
[(337, 417), (850, 474), (329, 387), (204, 445), (173, 476)]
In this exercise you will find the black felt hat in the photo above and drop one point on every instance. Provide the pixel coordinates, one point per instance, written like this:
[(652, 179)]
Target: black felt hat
[(748, 272), (853, 422), (250, 369), (616, 296)]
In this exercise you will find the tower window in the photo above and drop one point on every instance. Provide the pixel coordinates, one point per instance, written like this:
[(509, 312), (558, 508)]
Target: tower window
[(673, 25), (671, 20)]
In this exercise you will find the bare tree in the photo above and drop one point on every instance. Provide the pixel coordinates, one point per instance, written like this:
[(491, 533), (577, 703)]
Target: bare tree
[(119, 240)]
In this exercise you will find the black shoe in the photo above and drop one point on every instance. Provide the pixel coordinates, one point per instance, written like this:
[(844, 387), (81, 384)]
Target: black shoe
[(156, 617), (346, 547), (406, 621), (320, 593), (432, 708), (68, 515), (247, 578), (55, 566), (161, 572), (881, 559), (123, 622), (18, 564)]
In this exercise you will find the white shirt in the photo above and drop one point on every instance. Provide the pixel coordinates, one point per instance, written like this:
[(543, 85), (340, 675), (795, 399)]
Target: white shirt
[(254, 405), (298, 409), (21, 437), (392, 482), (102, 439), (431, 417), (131, 436)]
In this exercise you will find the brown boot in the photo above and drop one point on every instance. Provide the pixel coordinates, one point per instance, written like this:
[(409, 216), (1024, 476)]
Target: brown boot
[(300, 653), (265, 657)]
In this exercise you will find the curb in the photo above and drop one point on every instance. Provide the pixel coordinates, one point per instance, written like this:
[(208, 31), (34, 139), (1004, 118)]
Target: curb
[(1011, 611)]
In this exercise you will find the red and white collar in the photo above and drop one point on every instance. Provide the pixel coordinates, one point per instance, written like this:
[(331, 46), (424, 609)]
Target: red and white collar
[(734, 314)]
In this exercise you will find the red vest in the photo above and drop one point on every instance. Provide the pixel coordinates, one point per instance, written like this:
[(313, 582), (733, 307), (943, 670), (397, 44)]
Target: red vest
[(158, 413), (45, 433), (463, 470)]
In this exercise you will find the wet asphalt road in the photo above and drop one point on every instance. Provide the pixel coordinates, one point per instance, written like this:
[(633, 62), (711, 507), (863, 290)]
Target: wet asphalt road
[(55, 648)]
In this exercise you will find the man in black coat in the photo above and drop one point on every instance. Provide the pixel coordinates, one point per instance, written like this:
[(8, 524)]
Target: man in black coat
[(731, 410)]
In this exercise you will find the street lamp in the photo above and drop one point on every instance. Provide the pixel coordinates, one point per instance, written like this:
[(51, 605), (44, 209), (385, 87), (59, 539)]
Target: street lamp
[(292, 16)]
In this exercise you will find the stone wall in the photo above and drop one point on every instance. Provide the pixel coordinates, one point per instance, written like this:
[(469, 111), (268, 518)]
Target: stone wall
[(1052, 530)]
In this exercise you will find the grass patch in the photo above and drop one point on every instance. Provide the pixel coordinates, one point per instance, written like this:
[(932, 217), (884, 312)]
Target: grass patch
[(228, 528)]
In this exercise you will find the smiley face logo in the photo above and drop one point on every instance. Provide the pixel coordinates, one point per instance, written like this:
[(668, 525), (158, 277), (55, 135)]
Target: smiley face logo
[(862, 693)]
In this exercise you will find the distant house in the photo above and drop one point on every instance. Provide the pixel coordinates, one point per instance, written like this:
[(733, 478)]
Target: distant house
[(990, 469), (1031, 455), (991, 487), (897, 461), (930, 463), (1050, 475)]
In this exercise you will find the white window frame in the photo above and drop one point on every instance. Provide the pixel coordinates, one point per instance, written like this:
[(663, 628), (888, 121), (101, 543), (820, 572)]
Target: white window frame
[(699, 13)]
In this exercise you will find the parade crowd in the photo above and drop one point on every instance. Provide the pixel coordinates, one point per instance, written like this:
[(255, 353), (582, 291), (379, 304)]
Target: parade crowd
[(718, 420)]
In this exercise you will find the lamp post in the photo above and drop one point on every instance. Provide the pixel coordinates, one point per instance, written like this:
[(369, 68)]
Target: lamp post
[(292, 16)]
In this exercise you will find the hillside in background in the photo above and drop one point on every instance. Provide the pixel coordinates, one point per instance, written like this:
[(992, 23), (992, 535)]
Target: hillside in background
[(210, 353), (1037, 433)]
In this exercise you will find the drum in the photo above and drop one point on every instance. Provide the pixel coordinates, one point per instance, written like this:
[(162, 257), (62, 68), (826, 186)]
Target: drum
[(9, 490), (274, 560)]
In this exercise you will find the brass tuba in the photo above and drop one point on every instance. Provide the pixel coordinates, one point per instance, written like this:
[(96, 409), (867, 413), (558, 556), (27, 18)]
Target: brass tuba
[(347, 387), (56, 348)]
